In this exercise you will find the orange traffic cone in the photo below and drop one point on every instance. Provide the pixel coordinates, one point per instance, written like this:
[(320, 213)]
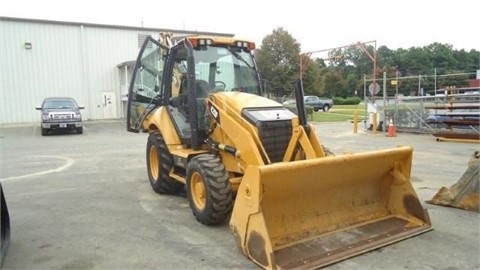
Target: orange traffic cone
[(391, 129)]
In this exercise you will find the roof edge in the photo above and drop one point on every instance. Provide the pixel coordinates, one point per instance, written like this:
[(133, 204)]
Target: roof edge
[(112, 26)]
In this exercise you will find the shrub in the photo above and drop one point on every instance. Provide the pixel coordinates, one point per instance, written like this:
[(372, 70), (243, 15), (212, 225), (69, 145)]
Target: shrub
[(346, 101)]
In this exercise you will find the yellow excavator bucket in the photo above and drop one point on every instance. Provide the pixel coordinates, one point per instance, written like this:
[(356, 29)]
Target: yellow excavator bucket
[(311, 213)]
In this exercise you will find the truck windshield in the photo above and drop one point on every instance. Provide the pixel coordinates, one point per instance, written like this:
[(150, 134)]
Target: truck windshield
[(59, 104), (226, 69)]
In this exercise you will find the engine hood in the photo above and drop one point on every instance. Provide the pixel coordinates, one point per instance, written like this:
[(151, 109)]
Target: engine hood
[(239, 101)]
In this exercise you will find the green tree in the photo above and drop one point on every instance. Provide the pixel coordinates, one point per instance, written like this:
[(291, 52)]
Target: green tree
[(333, 83), (312, 79), (352, 83), (358, 58), (386, 58), (442, 56), (342, 73), (278, 61)]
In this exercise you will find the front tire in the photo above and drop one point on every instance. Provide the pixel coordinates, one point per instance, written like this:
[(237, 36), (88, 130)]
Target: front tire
[(326, 108), (159, 164), (208, 189), (79, 130), (44, 132)]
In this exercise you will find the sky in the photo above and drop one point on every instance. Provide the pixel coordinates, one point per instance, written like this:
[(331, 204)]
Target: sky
[(316, 25)]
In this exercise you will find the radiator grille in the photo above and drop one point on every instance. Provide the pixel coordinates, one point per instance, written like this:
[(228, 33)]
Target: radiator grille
[(275, 136), (61, 116)]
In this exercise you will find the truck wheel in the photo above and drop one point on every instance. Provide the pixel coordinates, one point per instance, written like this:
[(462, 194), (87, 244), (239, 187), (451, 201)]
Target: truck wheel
[(326, 108), (159, 164), (79, 130), (44, 131), (208, 189)]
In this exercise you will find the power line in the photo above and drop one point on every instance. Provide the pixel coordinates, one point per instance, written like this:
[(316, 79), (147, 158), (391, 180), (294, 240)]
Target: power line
[(425, 76)]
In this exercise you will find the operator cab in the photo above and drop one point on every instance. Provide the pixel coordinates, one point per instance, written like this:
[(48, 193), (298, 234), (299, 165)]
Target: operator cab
[(182, 77)]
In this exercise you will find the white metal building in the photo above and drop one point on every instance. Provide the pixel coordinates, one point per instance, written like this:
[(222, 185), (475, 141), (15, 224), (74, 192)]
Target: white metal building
[(92, 63)]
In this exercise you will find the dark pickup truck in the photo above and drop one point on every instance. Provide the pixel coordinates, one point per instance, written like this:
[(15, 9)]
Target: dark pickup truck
[(317, 103), (60, 113)]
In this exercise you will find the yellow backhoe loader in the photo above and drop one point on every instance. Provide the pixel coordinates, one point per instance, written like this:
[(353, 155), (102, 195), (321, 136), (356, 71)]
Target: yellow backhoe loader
[(246, 158)]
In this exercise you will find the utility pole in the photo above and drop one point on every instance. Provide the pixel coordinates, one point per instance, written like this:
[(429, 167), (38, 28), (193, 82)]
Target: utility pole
[(384, 101), (374, 60), (396, 96)]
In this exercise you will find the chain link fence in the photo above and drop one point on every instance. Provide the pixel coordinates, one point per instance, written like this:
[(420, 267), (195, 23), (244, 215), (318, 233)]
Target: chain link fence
[(455, 115)]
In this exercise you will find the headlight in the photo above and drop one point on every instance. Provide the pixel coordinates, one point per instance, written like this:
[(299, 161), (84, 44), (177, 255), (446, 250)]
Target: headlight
[(45, 117), (78, 116)]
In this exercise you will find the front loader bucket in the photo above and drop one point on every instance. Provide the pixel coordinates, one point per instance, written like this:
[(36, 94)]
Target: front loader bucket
[(308, 214)]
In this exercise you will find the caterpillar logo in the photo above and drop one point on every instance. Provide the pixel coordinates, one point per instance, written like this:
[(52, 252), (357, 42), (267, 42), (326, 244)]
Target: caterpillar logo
[(214, 112)]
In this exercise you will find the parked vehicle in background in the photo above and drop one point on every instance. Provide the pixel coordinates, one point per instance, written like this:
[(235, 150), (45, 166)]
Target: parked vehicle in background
[(317, 103), (60, 113)]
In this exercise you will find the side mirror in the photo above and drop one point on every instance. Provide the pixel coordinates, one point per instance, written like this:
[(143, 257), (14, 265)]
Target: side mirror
[(81, 107), (38, 108)]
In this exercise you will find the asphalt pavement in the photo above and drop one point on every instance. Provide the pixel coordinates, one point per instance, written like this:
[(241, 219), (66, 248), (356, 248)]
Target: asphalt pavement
[(83, 201)]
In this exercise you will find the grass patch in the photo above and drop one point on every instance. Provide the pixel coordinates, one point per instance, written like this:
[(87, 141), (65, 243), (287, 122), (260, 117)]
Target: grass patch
[(340, 113)]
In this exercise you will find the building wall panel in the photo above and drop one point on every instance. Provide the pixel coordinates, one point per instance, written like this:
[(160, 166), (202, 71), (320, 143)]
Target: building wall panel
[(49, 68), (66, 59)]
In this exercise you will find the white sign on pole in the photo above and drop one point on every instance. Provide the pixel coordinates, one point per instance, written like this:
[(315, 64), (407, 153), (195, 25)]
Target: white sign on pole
[(374, 90)]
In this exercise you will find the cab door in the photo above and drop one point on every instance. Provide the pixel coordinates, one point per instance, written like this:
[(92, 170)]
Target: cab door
[(146, 92)]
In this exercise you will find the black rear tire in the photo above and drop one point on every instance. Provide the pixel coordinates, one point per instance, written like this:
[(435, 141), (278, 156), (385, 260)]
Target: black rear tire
[(208, 189), (159, 164), (326, 108)]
